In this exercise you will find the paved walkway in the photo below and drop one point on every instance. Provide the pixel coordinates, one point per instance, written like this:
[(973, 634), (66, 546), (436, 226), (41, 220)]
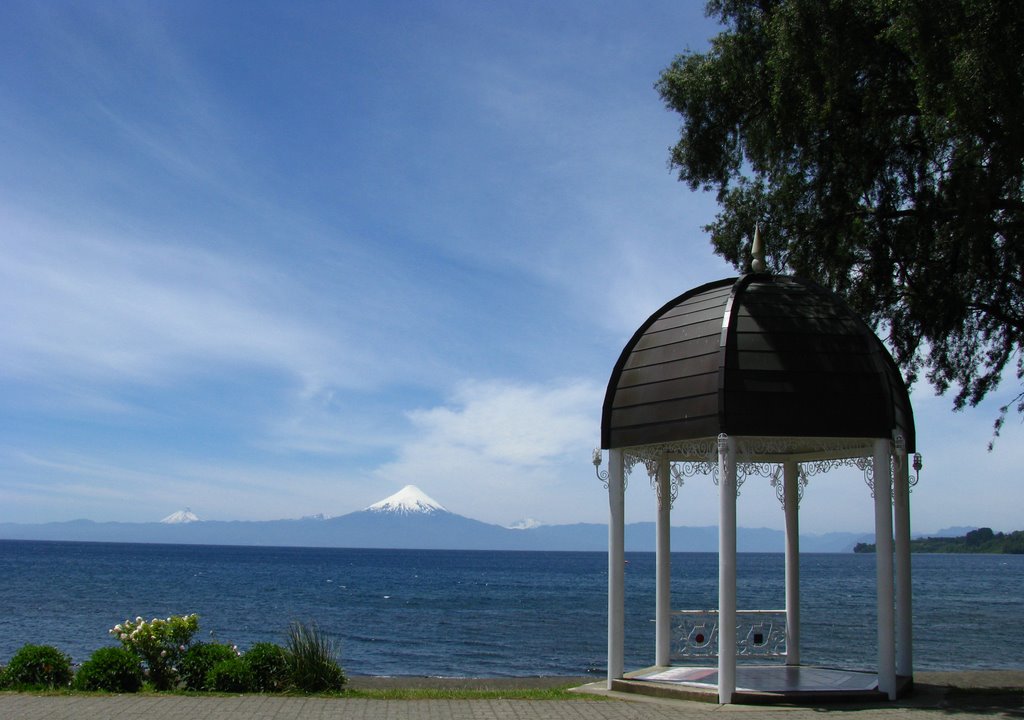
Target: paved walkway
[(968, 696)]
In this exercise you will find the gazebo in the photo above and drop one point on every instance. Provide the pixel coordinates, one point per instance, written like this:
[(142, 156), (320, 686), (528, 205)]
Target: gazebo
[(770, 376)]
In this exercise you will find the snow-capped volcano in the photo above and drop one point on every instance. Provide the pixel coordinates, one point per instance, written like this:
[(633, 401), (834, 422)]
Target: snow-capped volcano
[(182, 516), (407, 501)]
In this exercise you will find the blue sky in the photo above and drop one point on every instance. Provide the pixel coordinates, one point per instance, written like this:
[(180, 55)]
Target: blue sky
[(268, 260)]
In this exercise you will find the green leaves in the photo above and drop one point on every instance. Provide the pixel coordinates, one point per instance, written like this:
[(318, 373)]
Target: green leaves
[(37, 666), (110, 669), (880, 145)]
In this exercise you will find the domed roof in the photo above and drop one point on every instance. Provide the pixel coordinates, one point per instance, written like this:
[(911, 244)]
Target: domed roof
[(761, 356)]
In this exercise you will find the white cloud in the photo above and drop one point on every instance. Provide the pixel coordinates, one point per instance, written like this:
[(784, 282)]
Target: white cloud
[(499, 451), (123, 309)]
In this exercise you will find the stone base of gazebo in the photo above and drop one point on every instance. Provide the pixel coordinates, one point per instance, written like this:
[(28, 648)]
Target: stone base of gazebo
[(760, 684)]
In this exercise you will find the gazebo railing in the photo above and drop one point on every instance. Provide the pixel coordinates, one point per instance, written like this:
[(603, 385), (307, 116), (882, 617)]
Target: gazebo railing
[(759, 634)]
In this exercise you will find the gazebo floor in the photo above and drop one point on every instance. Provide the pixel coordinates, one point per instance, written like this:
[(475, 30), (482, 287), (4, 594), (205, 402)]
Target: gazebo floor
[(759, 684)]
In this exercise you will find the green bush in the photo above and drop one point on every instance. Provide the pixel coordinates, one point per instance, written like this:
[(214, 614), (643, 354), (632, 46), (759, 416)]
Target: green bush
[(269, 666), (313, 657), (37, 666), (197, 662), (113, 669), (232, 675)]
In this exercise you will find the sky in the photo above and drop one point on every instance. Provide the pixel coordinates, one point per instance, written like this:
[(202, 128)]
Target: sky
[(270, 260)]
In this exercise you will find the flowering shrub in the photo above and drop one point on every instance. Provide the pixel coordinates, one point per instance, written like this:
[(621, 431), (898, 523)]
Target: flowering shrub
[(160, 644)]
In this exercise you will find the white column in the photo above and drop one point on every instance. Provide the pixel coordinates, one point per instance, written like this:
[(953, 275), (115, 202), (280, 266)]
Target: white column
[(904, 621), (616, 566), (726, 568), (791, 494), (663, 597), (883, 569)]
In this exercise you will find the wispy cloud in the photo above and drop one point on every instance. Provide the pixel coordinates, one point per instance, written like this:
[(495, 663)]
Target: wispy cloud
[(122, 309), (501, 451)]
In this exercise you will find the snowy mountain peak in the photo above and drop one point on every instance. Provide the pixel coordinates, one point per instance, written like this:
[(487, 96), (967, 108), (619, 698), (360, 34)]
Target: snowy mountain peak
[(407, 501), (182, 516)]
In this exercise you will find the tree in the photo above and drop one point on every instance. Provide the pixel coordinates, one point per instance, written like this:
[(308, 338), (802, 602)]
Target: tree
[(880, 144)]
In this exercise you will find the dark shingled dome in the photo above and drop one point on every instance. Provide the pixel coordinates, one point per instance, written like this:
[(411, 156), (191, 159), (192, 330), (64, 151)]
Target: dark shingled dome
[(759, 355)]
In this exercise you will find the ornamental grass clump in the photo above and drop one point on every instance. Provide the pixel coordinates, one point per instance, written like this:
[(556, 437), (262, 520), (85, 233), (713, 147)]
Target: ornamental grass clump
[(313, 659), (111, 669), (37, 666), (159, 644)]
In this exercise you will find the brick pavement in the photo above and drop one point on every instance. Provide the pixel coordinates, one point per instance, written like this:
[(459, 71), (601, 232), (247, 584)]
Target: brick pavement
[(961, 696)]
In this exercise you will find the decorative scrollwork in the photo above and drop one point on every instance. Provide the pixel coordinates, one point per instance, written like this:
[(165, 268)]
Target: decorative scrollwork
[(752, 469), (759, 633), (819, 467), (779, 484), (695, 636), (681, 470), (755, 456), (867, 466), (652, 464), (602, 475), (703, 450), (780, 488), (769, 449), (673, 490)]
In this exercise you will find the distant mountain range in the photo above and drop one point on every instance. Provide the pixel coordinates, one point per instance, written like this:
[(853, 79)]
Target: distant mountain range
[(410, 519)]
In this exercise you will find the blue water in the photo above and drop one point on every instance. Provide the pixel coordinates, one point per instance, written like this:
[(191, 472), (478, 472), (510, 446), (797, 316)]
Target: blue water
[(455, 613)]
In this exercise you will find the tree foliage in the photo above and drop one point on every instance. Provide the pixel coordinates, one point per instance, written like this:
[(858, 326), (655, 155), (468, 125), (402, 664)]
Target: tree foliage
[(982, 540), (880, 144)]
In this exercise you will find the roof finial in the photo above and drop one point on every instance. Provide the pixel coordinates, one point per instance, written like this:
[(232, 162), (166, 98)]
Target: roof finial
[(757, 251)]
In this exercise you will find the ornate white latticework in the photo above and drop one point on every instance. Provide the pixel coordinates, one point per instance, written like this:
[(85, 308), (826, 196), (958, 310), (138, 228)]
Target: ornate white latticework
[(704, 450), (751, 449), (673, 489), (867, 466), (779, 484), (755, 457), (759, 634)]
